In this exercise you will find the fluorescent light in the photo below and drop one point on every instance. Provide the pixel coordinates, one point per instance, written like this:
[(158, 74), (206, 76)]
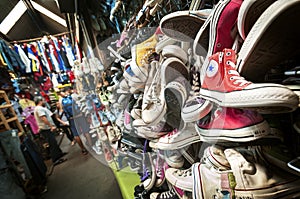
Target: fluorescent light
[(12, 18), (49, 14)]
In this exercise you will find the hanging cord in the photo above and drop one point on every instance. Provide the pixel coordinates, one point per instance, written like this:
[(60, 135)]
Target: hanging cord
[(38, 38)]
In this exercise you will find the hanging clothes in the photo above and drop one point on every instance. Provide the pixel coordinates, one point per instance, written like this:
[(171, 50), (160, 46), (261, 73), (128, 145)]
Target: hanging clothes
[(24, 103), (23, 57), (42, 54), (56, 52), (69, 50)]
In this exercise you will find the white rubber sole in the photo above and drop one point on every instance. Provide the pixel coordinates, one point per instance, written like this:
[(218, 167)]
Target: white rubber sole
[(250, 11), (264, 98), (272, 39)]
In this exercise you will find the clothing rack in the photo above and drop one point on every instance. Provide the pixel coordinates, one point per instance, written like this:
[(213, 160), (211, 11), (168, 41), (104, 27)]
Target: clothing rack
[(39, 38)]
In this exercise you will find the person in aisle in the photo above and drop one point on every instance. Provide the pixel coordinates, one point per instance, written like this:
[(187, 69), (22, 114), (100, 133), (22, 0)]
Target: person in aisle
[(67, 105), (47, 129), (63, 122)]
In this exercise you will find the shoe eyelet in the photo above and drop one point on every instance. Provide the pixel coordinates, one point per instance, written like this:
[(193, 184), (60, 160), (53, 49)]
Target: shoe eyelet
[(228, 62), (231, 78), (228, 53)]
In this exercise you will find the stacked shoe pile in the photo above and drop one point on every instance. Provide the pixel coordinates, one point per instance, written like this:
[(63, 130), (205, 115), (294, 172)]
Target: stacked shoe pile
[(234, 165), (199, 81)]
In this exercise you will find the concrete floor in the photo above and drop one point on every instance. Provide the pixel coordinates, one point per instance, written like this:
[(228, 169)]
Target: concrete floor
[(81, 176)]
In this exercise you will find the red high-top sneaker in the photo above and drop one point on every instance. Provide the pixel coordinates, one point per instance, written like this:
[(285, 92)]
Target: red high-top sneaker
[(223, 85)]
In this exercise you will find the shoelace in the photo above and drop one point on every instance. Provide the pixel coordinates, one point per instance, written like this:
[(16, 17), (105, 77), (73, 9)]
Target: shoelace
[(153, 96), (184, 173), (167, 194), (171, 134), (236, 78)]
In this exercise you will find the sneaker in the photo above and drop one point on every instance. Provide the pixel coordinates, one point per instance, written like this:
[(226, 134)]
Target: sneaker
[(174, 158), (107, 154), (218, 32), (140, 55), (110, 116), (112, 136), (223, 85), (177, 139), (246, 178), (148, 178), (172, 68), (96, 148), (103, 118), (175, 51), (195, 108), (95, 122), (170, 194), (249, 12), (265, 46), (154, 106), (183, 25), (153, 132), (232, 125), (160, 167), (182, 179), (136, 111), (175, 95), (101, 134)]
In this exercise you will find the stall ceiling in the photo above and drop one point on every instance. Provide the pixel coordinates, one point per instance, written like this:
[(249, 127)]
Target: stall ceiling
[(39, 18)]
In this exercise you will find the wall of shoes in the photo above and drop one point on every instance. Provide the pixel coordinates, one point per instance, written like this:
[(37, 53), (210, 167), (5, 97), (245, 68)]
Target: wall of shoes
[(198, 98)]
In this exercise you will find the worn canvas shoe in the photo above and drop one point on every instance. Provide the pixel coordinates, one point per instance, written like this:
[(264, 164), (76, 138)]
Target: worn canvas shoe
[(153, 132), (136, 111), (175, 51), (183, 25), (233, 125), (140, 55), (218, 32), (271, 40), (177, 139), (175, 95), (182, 179), (154, 105), (149, 176), (223, 85), (174, 158), (195, 107), (160, 167), (248, 177), (249, 12)]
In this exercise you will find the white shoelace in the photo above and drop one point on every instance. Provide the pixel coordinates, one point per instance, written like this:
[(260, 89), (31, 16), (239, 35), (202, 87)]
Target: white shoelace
[(236, 78)]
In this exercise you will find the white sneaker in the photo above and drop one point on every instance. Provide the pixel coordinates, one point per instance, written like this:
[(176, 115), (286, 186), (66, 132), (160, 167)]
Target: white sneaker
[(182, 179), (177, 139), (248, 177)]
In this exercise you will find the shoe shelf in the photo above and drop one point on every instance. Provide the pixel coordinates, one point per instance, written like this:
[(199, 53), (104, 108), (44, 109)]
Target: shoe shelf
[(12, 122)]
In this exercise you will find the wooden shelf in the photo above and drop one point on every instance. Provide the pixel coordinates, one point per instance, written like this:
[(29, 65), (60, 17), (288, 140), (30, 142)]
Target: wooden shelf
[(6, 123), (5, 106)]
